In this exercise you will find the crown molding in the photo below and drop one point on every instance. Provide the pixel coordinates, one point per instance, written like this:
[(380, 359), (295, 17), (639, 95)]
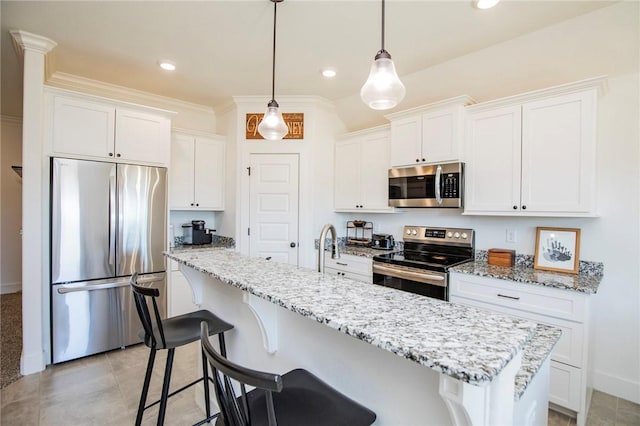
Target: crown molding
[(23, 40), (599, 83), (463, 100), (100, 88)]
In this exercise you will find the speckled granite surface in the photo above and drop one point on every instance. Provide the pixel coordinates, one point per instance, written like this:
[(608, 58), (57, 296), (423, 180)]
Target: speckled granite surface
[(527, 261), (358, 250), (535, 353), (216, 242), (584, 283), (463, 342)]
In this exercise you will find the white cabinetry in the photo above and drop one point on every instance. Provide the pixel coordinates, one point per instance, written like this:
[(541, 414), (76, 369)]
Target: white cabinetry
[(567, 310), (180, 294), (429, 134), (196, 176), (361, 171), (534, 154), (355, 267), (89, 127)]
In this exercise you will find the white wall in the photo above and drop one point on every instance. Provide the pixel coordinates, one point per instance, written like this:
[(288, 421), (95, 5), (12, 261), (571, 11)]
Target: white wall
[(10, 206)]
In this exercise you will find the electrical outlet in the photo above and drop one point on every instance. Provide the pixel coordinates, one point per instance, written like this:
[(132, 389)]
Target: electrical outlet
[(512, 235)]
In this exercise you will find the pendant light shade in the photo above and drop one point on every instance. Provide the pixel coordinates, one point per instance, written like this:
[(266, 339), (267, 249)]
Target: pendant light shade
[(272, 127), (383, 89)]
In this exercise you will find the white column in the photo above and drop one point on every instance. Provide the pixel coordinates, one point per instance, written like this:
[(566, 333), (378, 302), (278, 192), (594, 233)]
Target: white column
[(35, 277)]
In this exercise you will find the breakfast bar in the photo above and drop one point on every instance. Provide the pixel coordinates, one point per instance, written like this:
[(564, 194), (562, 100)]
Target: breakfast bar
[(410, 358)]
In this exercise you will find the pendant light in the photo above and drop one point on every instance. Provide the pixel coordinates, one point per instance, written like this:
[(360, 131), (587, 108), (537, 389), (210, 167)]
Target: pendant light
[(383, 89), (272, 127)]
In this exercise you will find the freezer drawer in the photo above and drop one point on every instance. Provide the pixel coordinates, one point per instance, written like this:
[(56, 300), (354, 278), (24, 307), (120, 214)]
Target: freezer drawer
[(97, 316)]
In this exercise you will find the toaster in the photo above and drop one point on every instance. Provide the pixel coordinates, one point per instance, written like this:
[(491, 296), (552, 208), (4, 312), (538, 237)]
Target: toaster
[(382, 241)]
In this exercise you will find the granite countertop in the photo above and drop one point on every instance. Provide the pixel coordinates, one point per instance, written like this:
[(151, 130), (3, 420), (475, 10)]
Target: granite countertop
[(582, 282), (217, 242), (363, 251), (463, 342), (535, 353)]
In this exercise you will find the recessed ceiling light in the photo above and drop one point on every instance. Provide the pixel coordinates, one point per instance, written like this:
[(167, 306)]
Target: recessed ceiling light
[(167, 65), (486, 4), (329, 72)]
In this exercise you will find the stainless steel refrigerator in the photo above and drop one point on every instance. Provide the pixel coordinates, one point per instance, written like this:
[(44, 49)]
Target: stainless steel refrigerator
[(107, 221)]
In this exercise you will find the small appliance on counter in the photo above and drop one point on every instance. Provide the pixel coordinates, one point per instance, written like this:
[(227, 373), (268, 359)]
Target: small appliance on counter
[(359, 233), (196, 233), (382, 241)]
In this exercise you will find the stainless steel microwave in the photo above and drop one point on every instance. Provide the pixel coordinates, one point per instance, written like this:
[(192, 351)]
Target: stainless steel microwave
[(434, 185)]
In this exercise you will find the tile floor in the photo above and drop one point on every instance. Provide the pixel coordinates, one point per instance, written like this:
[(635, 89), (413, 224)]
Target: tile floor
[(104, 390)]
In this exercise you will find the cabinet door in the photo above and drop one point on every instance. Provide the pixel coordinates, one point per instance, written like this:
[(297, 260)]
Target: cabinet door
[(209, 174), (558, 154), (142, 137), (181, 172), (406, 141), (440, 136), (82, 128), (375, 172), (492, 182), (347, 175)]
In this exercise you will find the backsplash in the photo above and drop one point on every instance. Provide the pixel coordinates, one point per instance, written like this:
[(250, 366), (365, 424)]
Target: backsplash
[(527, 261)]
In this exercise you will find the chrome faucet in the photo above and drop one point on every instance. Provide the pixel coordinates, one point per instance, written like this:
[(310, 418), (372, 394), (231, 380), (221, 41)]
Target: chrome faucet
[(334, 245)]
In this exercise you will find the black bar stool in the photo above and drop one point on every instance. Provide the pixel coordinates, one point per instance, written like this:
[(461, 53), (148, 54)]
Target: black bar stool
[(168, 334), (293, 399)]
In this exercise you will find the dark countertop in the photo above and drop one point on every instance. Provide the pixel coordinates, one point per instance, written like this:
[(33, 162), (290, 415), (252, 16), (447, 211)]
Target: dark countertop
[(582, 282)]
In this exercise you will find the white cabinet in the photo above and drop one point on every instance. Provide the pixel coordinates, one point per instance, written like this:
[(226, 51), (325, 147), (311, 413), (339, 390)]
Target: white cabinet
[(567, 310), (197, 172), (180, 294), (88, 127), (429, 134), (355, 267), (361, 171), (533, 156)]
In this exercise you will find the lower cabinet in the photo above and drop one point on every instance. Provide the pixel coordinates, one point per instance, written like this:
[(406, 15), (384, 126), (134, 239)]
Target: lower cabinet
[(567, 310), (354, 267), (180, 295)]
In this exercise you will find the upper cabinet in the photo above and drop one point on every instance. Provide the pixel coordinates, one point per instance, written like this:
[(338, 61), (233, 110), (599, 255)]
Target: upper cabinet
[(428, 134), (89, 127), (534, 154), (196, 175), (361, 171)]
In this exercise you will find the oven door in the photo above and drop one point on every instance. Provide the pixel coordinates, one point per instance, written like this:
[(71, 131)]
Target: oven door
[(414, 280)]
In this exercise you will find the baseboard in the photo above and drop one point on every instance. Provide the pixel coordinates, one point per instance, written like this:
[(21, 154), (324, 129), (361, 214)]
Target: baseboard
[(616, 386), (32, 363), (6, 288)]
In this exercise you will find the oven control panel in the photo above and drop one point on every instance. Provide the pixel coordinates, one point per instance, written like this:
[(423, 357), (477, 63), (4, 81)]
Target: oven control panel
[(452, 236)]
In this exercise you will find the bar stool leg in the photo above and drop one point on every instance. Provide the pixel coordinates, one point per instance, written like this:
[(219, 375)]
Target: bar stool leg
[(205, 377), (145, 386), (165, 387)]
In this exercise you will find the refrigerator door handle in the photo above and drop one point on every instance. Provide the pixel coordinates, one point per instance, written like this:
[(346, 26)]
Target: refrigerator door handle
[(112, 221), (124, 282)]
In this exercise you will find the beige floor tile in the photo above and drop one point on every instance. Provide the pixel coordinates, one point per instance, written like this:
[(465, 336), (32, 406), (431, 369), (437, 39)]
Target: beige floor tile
[(627, 418), (600, 399), (557, 419), (26, 387), (628, 406), (20, 413)]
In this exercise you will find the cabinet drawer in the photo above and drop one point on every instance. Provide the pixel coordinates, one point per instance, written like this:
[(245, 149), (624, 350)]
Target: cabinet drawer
[(551, 302), (565, 385), (570, 347), (350, 275), (353, 264)]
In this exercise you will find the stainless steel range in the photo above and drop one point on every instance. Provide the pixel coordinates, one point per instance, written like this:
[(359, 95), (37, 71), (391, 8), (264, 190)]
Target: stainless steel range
[(422, 267)]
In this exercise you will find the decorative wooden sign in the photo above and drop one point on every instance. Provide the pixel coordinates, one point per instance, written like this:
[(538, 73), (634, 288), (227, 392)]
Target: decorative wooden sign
[(294, 121)]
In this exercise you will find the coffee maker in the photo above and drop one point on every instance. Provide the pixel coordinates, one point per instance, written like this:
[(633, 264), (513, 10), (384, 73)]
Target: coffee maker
[(196, 233)]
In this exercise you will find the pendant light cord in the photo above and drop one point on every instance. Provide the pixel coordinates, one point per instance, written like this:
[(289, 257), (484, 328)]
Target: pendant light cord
[(273, 64), (382, 50)]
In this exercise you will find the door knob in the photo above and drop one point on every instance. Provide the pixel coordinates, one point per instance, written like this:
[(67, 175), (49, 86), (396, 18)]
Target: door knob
[(292, 245)]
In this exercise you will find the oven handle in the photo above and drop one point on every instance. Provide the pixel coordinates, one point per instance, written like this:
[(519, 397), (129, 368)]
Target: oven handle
[(422, 277)]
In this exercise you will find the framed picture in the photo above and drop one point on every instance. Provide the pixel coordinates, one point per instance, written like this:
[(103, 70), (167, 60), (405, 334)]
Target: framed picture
[(557, 249)]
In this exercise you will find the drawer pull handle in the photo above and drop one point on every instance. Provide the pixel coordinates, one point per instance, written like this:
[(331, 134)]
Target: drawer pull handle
[(508, 297), (342, 264)]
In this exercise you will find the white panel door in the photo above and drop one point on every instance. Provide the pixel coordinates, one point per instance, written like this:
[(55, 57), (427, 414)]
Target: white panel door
[(209, 174), (181, 172), (374, 184), (348, 164), (406, 141), (440, 136), (273, 206), (142, 137)]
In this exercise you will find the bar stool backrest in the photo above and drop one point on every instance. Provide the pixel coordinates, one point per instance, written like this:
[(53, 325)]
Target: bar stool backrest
[(224, 371), (140, 295)]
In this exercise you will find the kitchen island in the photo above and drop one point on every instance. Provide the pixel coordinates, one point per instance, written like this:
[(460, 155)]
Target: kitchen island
[(412, 359)]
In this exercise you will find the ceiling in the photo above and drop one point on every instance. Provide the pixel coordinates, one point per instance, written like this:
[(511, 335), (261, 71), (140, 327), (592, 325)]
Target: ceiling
[(223, 48)]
